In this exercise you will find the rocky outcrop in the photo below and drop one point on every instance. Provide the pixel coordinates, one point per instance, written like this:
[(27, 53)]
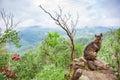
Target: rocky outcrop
[(80, 70)]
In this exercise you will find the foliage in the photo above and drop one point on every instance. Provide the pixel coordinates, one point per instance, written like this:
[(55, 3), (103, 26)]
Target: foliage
[(55, 49), (34, 63), (27, 67), (50, 72), (110, 50), (4, 59), (46, 59), (50, 60), (79, 50), (7, 36), (2, 77), (52, 39), (115, 44), (10, 36)]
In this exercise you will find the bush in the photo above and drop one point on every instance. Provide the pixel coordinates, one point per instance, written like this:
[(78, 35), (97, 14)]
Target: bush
[(110, 50), (50, 72), (27, 67), (2, 76), (4, 59)]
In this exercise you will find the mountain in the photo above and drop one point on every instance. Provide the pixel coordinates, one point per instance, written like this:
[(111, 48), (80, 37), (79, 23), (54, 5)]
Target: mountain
[(90, 31), (32, 36)]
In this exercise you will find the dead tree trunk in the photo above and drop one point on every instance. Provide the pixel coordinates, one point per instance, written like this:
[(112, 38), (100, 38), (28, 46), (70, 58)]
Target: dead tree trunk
[(67, 24)]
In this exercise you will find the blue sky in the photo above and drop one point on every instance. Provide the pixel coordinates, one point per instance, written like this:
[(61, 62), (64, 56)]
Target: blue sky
[(91, 12)]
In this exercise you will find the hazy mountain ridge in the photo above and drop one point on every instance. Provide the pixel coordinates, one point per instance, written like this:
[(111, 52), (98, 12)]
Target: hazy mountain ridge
[(31, 36)]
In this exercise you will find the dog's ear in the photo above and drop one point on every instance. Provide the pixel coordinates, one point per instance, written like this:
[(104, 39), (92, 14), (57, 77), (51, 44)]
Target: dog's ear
[(95, 35), (101, 34)]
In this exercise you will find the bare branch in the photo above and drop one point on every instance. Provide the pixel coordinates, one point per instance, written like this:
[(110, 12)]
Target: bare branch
[(8, 20), (3, 14), (66, 23), (47, 13), (11, 21), (74, 25)]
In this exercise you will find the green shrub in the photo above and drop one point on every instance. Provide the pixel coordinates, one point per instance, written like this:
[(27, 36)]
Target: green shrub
[(50, 72), (2, 76), (110, 50), (79, 50), (4, 58), (27, 67)]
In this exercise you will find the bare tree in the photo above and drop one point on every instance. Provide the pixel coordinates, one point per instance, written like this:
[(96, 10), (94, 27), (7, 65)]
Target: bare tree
[(9, 34), (8, 20), (66, 22)]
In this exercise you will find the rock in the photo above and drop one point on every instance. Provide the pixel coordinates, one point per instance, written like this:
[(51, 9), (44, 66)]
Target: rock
[(77, 74), (83, 77), (96, 75), (82, 72)]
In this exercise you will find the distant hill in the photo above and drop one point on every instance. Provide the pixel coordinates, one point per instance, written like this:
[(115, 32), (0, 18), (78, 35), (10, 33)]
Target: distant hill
[(84, 35), (88, 32), (32, 36)]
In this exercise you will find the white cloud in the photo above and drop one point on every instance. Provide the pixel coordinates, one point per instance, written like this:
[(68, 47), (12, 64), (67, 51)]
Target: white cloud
[(27, 23), (91, 12)]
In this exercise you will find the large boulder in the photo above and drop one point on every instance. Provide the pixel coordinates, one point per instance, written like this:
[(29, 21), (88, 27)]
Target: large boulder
[(80, 70)]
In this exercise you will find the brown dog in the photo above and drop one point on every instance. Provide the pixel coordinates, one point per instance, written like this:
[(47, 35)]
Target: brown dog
[(90, 52)]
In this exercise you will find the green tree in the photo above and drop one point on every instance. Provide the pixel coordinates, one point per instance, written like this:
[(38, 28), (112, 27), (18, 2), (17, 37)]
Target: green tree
[(115, 44), (55, 49), (8, 34), (110, 50), (53, 39)]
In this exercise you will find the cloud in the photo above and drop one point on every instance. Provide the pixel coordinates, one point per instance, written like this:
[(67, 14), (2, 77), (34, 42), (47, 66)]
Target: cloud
[(91, 12)]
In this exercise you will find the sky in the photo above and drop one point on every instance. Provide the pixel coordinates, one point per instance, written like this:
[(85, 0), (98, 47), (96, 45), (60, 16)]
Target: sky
[(91, 12)]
